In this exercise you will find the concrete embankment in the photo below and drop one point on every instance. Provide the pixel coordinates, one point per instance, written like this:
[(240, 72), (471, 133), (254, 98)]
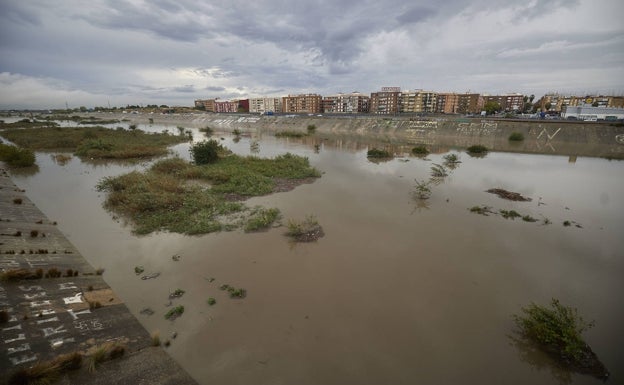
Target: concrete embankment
[(52, 302), (443, 132)]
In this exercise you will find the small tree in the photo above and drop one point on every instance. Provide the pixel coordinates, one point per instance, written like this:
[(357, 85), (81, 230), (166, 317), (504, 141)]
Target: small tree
[(492, 107), (206, 152)]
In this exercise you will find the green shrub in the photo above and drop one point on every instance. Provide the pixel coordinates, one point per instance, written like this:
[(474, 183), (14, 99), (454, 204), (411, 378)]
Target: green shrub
[(377, 153), (420, 150), (516, 137), (311, 128), (422, 189), (16, 156), (261, 219), (477, 149), (206, 152), (175, 312), (557, 329)]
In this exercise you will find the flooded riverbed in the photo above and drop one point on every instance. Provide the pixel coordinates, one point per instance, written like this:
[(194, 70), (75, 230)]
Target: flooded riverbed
[(398, 291)]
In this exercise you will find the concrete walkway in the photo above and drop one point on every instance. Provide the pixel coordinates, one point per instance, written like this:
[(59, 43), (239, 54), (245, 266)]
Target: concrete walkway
[(46, 315)]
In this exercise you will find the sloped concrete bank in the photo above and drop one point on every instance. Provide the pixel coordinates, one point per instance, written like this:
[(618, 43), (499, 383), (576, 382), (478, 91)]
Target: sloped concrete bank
[(540, 136), (52, 302)]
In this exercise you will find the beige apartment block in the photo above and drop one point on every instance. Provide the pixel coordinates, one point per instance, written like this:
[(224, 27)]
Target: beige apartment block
[(304, 103), (263, 105), (207, 104), (447, 103), (353, 103)]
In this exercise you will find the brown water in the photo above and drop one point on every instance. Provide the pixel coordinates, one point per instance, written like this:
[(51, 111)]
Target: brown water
[(394, 293)]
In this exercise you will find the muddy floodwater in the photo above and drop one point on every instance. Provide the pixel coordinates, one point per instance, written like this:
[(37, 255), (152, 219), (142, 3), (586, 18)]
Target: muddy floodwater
[(398, 291)]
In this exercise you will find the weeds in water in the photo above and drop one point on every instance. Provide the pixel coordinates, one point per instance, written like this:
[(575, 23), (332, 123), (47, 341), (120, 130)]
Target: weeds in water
[(420, 151), (509, 214), (528, 218), (567, 223), (438, 171), (558, 330), (99, 271), (307, 230), (451, 161), (174, 313), (311, 128), (211, 301), (176, 294), (236, 132), (234, 292), (422, 190), (376, 153), (482, 210), (261, 219), (138, 270), (477, 149), (17, 201)]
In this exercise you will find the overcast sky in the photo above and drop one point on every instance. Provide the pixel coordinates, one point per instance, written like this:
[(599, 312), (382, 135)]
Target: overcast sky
[(92, 53)]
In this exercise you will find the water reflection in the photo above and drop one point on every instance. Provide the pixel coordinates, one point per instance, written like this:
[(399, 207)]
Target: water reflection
[(530, 353)]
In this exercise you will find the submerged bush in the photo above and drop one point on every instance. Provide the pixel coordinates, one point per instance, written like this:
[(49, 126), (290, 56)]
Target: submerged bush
[(377, 153), (477, 149), (420, 150), (558, 331)]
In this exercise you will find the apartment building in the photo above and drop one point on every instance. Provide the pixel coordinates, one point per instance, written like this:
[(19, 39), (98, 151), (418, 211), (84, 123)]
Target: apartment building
[(447, 103), (353, 103), (264, 105), (304, 103), (418, 101), (470, 103), (226, 106), (616, 102), (385, 101), (207, 104), (508, 102)]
